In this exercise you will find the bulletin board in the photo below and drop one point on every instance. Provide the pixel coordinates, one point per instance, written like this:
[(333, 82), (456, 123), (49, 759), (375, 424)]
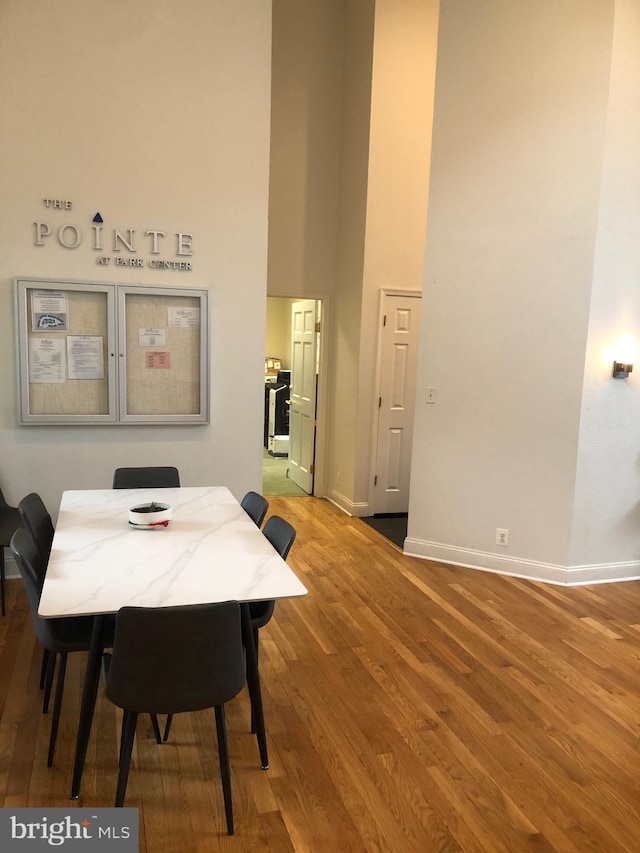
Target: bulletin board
[(109, 353)]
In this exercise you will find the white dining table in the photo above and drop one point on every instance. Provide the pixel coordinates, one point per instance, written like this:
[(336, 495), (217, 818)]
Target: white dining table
[(211, 551)]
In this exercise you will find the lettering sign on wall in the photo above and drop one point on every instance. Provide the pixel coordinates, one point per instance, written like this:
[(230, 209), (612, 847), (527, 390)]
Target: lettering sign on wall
[(115, 246)]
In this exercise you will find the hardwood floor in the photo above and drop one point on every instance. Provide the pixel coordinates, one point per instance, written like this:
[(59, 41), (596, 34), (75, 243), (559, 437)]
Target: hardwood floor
[(410, 706)]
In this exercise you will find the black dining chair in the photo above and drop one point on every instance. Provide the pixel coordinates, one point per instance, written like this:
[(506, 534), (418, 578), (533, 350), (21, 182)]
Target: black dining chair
[(9, 523), (168, 660), (36, 520), (57, 636), (281, 535), (159, 477), (256, 506)]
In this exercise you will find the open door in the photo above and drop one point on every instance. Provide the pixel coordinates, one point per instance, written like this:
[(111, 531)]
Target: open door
[(305, 332), (399, 341)]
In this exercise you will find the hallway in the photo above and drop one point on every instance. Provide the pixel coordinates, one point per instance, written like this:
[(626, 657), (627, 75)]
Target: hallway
[(275, 481)]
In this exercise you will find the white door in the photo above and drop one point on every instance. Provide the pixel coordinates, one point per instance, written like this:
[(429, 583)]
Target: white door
[(399, 339), (302, 412)]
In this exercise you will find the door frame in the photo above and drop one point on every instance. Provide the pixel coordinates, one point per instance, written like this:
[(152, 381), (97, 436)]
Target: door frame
[(320, 452), (375, 418)]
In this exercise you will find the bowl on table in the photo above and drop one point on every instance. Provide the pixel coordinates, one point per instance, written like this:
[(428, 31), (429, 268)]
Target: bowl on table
[(150, 516)]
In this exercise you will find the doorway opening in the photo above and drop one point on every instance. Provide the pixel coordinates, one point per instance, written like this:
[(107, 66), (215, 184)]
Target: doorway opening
[(292, 369)]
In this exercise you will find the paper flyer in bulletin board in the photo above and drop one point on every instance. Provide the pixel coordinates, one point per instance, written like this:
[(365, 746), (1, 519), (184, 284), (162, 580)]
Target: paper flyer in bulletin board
[(49, 310), (85, 357), (152, 337), (158, 360), (46, 361), (184, 317)]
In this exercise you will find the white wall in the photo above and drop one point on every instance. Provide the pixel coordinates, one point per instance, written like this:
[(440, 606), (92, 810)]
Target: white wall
[(606, 510), (515, 229), (157, 115)]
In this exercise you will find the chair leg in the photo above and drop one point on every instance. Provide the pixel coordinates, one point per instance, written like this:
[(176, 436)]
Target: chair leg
[(57, 706), (43, 668), (48, 682), (225, 772), (156, 728), (255, 642), (129, 720), (167, 727)]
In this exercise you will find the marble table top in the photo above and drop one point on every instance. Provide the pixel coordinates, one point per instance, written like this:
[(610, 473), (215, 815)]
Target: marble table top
[(211, 551)]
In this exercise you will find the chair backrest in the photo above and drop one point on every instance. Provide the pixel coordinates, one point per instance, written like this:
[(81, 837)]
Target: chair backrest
[(159, 477), (37, 521), (280, 533), (171, 659), (32, 569), (255, 506)]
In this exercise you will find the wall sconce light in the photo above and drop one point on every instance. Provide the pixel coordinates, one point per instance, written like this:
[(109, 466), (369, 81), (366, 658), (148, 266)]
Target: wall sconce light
[(621, 371), (624, 353)]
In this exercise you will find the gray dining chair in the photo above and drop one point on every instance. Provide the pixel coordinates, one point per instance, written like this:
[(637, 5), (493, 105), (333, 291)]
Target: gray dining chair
[(158, 477), (281, 535), (256, 506), (168, 660), (9, 523), (57, 636), (36, 519)]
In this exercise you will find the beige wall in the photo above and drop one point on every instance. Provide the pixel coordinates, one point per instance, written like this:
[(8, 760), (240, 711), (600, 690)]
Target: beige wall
[(403, 82), (278, 343), (157, 115), (306, 116), (351, 114)]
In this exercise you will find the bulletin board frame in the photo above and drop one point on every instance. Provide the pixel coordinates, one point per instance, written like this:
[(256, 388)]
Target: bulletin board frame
[(106, 353)]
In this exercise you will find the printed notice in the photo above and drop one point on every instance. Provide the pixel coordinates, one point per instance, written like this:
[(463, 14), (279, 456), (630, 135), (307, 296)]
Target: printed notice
[(46, 360), (85, 357), (186, 318), (49, 310), (158, 360), (152, 337)]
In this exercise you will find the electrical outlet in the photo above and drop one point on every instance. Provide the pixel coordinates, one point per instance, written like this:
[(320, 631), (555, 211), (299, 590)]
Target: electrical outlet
[(502, 536)]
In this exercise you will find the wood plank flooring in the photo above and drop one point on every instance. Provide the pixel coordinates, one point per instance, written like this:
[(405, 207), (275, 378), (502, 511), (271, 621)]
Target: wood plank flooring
[(410, 706)]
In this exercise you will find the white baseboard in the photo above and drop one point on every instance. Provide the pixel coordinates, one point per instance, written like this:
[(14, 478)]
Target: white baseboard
[(359, 510), (519, 568)]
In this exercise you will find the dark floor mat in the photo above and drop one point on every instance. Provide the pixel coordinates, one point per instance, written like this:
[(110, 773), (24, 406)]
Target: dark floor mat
[(392, 526)]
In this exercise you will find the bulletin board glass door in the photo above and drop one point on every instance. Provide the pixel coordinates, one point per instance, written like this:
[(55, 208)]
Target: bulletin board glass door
[(162, 365), (66, 347)]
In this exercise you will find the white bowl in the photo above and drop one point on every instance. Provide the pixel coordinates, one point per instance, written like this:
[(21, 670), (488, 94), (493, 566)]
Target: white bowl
[(152, 514)]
